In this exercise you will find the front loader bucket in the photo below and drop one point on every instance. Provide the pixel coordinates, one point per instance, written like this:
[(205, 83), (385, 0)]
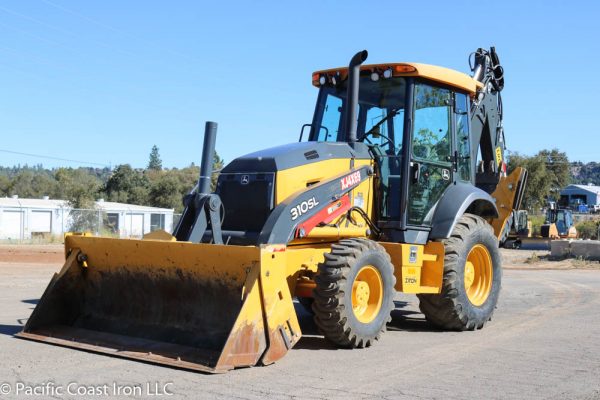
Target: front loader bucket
[(195, 306)]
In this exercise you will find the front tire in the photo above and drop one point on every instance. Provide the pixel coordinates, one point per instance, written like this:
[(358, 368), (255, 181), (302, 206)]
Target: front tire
[(472, 278), (355, 291)]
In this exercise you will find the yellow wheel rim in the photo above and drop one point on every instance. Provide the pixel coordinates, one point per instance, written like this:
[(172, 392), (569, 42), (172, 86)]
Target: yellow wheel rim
[(367, 294), (478, 275)]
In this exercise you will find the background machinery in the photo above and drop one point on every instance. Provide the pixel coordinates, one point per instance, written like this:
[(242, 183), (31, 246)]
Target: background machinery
[(400, 186), (559, 223)]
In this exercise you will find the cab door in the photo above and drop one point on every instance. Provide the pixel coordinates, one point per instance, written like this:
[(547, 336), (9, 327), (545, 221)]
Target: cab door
[(431, 153)]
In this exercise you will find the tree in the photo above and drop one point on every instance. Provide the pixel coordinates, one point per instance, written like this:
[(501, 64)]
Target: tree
[(217, 166), (155, 163), (165, 192), (76, 186), (4, 185), (548, 175), (167, 187), (127, 185), (557, 164)]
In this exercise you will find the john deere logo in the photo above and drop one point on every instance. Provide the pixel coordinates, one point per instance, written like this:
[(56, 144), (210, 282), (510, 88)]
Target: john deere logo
[(445, 174), (245, 179)]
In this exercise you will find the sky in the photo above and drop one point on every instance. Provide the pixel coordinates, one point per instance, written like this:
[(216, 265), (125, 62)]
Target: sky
[(94, 83)]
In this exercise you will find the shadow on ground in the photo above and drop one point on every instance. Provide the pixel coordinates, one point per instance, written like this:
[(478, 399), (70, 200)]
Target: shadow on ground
[(402, 320), (10, 330)]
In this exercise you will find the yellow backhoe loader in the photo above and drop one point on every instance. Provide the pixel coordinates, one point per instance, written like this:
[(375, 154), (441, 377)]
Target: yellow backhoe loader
[(400, 185)]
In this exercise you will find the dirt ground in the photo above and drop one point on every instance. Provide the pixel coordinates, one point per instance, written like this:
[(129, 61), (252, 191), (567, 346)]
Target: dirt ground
[(543, 343), (34, 253), (512, 259)]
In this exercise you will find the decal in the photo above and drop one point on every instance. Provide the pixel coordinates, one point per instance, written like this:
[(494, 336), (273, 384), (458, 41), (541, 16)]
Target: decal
[(410, 280), (498, 155), (412, 257), (350, 180), (245, 179), (445, 174), (334, 207), (359, 200), (303, 208)]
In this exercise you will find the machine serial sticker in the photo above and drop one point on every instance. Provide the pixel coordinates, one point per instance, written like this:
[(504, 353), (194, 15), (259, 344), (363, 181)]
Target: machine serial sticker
[(303, 207), (350, 180)]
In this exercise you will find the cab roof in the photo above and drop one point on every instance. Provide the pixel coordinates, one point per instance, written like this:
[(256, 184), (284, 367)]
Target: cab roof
[(442, 75)]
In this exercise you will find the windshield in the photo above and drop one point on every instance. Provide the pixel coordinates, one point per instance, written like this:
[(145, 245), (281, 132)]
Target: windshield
[(380, 114), (380, 122)]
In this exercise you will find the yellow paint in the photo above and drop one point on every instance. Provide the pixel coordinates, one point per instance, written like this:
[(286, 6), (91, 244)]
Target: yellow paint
[(281, 319), (292, 181), (331, 232), (418, 268), (442, 75), (108, 254), (478, 275), (505, 194), (264, 276), (159, 235), (367, 294)]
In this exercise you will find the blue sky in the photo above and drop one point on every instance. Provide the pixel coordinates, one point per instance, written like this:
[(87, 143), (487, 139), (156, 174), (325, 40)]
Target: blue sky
[(103, 81)]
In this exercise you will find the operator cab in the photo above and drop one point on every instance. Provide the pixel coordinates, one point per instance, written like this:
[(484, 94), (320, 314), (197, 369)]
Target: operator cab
[(417, 130)]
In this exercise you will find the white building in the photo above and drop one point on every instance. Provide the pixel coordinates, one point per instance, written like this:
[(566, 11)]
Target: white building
[(29, 218)]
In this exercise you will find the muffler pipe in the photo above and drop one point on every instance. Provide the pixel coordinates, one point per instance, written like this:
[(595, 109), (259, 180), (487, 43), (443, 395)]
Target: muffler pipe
[(352, 99), (208, 154)]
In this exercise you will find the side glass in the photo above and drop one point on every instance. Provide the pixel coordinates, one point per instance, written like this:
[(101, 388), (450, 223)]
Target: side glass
[(463, 139), (331, 119), (431, 152)]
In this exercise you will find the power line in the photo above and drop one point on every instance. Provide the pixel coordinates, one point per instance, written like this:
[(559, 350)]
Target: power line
[(53, 158), (117, 30)]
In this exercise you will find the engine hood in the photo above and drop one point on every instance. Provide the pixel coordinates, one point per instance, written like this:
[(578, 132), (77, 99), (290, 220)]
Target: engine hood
[(294, 154)]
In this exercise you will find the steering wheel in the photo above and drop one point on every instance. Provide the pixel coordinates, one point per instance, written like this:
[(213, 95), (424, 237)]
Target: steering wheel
[(365, 138)]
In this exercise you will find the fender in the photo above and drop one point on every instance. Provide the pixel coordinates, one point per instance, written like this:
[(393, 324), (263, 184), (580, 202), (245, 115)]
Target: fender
[(458, 199)]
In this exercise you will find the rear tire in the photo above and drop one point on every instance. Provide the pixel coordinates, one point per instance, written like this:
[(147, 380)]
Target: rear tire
[(355, 291), (472, 278)]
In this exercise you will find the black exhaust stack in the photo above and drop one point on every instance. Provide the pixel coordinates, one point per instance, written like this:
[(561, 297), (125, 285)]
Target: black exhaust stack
[(353, 82), (208, 153), (202, 208)]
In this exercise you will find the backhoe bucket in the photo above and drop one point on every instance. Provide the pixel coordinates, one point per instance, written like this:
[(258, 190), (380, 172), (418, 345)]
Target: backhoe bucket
[(203, 307)]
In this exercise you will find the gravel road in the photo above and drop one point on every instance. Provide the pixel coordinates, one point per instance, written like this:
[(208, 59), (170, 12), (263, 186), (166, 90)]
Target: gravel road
[(543, 343)]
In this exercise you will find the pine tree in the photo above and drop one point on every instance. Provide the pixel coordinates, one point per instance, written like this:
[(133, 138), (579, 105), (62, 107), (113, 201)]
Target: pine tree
[(155, 162)]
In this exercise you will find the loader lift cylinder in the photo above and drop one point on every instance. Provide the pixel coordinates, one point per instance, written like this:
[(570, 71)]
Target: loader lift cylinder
[(208, 152)]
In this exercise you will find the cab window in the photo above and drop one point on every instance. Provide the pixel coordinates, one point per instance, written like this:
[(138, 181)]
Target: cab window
[(431, 133)]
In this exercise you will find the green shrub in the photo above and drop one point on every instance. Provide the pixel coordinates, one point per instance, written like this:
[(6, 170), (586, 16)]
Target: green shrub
[(536, 222), (587, 229)]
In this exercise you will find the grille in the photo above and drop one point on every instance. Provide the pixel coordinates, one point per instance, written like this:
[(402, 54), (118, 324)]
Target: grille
[(248, 200)]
